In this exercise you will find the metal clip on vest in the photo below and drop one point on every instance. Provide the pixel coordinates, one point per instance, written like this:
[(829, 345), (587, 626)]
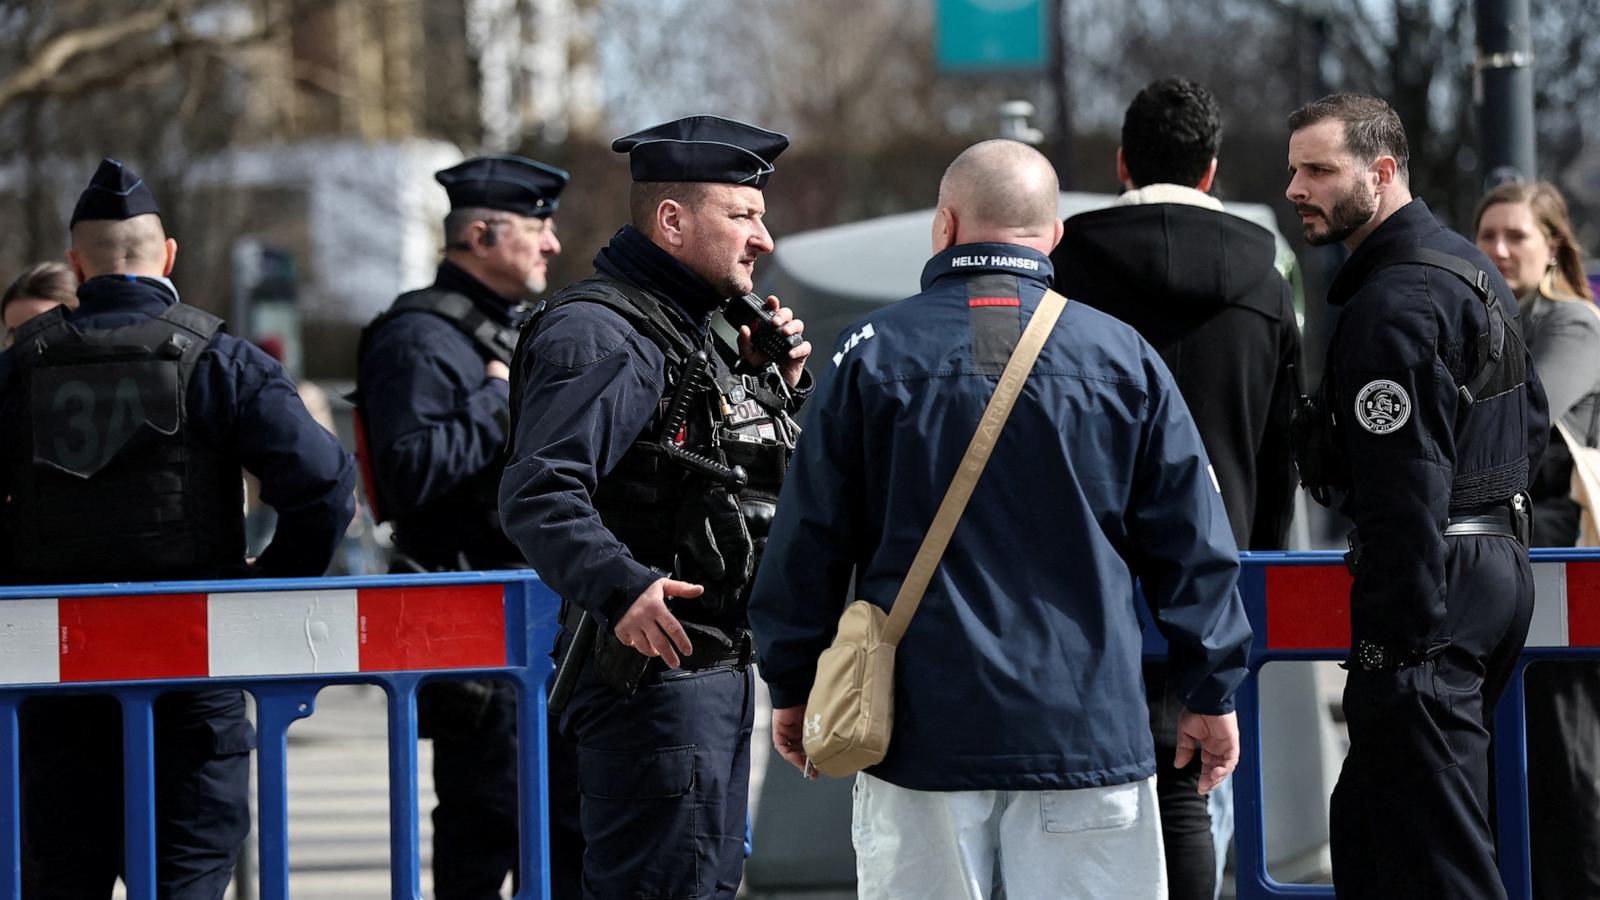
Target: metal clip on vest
[(693, 381)]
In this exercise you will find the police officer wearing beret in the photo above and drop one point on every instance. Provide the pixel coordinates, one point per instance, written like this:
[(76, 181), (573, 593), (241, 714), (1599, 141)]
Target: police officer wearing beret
[(433, 396), (1428, 422), (126, 422), (644, 470)]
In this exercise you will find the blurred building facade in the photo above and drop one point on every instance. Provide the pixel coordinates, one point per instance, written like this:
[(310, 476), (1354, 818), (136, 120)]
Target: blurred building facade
[(292, 136)]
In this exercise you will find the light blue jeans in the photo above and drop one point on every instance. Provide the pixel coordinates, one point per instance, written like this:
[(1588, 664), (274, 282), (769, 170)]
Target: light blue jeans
[(1086, 844)]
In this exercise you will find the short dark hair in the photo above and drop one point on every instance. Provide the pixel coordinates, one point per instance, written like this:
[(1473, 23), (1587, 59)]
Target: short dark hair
[(1371, 127), (1170, 133), (645, 198), (44, 281)]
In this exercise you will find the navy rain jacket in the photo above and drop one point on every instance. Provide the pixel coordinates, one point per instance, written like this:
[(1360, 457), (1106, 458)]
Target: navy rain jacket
[(1021, 669)]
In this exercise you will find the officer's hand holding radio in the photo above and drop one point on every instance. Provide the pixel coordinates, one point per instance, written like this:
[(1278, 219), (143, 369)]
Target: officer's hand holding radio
[(769, 333)]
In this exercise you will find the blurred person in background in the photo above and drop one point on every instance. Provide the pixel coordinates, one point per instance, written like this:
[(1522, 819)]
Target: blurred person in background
[(1202, 287), (153, 411), (1525, 231), (40, 288), (434, 404)]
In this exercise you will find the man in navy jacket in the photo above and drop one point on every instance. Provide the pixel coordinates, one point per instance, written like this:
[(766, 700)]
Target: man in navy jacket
[(1021, 732)]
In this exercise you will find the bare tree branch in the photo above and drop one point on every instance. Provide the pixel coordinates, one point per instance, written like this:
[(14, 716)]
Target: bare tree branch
[(38, 73)]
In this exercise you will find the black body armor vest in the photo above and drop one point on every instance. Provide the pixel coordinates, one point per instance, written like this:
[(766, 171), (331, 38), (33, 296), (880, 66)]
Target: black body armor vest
[(461, 528), (1496, 377), (108, 481), (695, 493)]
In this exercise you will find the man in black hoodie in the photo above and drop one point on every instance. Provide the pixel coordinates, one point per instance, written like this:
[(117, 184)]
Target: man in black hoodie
[(1201, 286)]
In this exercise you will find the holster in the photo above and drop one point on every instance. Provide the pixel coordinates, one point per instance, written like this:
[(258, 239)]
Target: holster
[(1322, 468), (617, 665)]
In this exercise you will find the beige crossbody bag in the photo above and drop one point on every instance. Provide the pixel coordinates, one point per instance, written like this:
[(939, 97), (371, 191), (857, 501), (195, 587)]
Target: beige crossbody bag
[(850, 711)]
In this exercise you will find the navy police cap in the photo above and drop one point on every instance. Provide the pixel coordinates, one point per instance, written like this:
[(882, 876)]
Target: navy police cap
[(702, 148), (507, 183), (115, 192)]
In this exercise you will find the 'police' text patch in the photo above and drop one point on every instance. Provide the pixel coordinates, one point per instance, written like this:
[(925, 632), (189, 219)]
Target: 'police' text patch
[(1382, 406)]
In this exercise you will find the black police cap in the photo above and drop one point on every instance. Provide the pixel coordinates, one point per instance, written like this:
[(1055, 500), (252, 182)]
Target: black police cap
[(702, 148), (115, 192), (507, 183)]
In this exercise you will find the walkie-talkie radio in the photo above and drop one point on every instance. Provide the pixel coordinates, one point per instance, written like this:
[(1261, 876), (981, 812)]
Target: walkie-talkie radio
[(750, 310)]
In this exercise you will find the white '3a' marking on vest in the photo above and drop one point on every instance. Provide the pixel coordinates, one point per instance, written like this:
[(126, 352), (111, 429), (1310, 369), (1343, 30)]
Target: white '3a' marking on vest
[(864, 334)]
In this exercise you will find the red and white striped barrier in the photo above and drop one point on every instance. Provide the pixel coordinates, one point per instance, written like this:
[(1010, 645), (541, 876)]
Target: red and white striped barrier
[(1308, 607), (164, 636)]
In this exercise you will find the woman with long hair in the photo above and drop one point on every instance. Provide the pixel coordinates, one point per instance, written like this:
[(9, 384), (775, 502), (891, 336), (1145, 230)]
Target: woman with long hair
[(1525, 231)]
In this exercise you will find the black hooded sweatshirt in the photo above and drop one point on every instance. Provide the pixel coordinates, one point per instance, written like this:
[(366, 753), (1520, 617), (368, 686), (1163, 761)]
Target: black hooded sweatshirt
[(1201, 287)]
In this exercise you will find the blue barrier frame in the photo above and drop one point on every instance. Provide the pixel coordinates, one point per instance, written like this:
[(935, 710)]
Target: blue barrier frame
[(1252, 879), (530, 628)]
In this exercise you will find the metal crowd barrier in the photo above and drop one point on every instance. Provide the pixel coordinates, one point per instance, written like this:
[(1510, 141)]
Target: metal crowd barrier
[(282, 641), (1299, 606)]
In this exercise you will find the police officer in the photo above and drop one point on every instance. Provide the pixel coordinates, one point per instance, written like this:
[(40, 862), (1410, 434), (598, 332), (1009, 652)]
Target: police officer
[(644, 469), (126, 422), (1429, 422), (433, 395)]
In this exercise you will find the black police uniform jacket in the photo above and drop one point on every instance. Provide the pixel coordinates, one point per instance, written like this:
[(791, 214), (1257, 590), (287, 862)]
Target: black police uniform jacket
[(1406, 342), (1202, 287), (436, 425), (591, 392), (239, 408)]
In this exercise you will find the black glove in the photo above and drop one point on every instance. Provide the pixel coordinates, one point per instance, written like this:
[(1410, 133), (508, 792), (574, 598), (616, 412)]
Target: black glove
[(714, 544)]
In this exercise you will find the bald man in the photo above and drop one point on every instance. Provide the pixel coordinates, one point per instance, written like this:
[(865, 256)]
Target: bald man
[(125, 424), (1022, 757)]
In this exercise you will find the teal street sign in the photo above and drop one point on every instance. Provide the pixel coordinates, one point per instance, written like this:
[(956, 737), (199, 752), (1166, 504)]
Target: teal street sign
[(991, 35)]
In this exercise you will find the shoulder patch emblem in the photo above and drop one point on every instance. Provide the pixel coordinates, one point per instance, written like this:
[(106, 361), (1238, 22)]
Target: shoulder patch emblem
[(1382, 406)]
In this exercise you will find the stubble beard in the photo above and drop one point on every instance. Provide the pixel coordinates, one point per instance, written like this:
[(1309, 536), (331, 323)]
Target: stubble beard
[(1350, 212)]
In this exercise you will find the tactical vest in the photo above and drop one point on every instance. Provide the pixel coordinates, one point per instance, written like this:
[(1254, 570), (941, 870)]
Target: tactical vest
[(108, 480), (716, 450), (422, 533), (1494, 393)]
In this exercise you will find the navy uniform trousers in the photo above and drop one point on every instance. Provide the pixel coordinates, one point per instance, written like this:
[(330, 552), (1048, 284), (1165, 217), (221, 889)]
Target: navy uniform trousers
[(1410, 814), (72, 794), (475, 823), (663, 775)]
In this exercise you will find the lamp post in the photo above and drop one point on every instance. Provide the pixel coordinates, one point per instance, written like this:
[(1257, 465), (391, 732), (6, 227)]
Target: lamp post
[(1502, 87)]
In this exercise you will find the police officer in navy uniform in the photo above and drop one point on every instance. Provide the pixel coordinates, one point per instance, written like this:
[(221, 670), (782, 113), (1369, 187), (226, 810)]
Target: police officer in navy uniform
[(433, 396), (1428, 422), (644, 469), (126, 424)]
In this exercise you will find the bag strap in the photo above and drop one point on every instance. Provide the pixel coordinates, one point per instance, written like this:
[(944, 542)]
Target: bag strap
[(972, 465)]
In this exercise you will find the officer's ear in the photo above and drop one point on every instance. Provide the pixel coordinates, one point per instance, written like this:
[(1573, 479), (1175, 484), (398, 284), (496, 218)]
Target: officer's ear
[(669, 221), (1061, 229), (172, 257), (76, 262)]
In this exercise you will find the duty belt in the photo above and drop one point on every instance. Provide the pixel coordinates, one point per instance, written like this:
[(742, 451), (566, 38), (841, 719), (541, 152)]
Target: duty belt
[(1510, 519), (1496, 522)]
